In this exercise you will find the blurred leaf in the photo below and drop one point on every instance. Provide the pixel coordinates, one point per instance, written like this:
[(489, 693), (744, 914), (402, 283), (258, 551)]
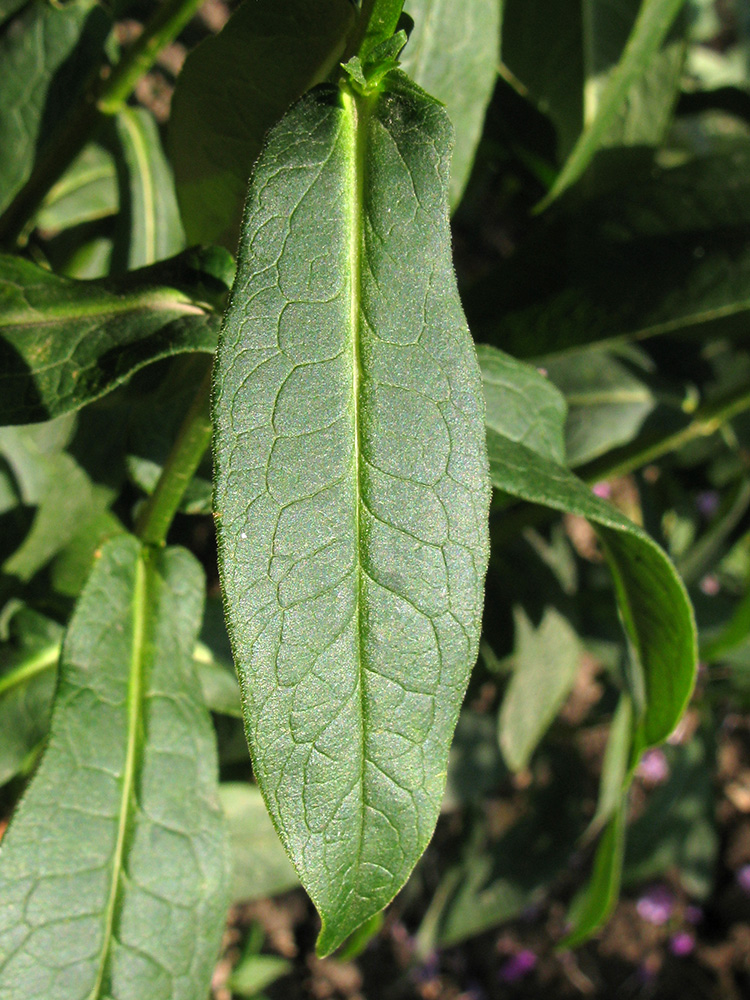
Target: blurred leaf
[(521, 403), (607, 400), (28, 662), (86, 191), (233, 87), (259, 863), (9, 7), (357, 942), (677, 831), (591, 908), (255, 972), (131, 750), (654, 607), (65, 343), (603, 103), (617, 764), (546, 661), (453, 53), (50, 480), (149, 219), (47, 55), (72, 566), (218, 681)]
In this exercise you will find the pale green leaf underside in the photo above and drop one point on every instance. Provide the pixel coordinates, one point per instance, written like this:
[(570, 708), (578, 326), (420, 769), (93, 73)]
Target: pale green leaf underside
[(120, 831), (351, 489)]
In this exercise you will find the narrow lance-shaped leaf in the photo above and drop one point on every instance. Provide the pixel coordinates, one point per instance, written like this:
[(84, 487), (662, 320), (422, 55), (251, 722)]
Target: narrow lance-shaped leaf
[(351, 488), (121, 830), (64, 343)]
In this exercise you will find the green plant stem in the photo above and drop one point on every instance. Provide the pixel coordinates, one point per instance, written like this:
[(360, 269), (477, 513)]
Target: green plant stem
[(166, 23), (192, 441), (508, 519), (103, 97)]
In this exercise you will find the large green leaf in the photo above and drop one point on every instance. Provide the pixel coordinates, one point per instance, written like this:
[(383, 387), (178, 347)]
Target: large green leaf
[(351, 488), (149, 219), (64, 343), (120, 831), (232, 89), (47, 55), (453, 52), (654, 607)]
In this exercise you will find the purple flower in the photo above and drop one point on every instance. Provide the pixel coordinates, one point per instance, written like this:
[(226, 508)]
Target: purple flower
[(656, 905), (603, 490), (743, 878), (707, 503), (653, 767), (518, 966), (682, 943)]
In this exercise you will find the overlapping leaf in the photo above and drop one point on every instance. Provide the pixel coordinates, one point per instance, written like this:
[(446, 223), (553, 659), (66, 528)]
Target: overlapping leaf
[(351, 488)]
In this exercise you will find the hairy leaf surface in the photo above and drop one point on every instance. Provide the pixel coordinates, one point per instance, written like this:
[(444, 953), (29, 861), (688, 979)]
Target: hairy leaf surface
[(454, 52), (120, 831), (64, 343), (351, 488)]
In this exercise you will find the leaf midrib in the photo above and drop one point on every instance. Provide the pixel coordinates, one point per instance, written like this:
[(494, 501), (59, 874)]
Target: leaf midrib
[(132, 127), (132, 752), (357, 110)]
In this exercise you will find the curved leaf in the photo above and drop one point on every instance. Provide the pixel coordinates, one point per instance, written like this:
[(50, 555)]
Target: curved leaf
[(47, 58), (351, 488), (64, 343), (120, 830), (653, 604), (87, 191)]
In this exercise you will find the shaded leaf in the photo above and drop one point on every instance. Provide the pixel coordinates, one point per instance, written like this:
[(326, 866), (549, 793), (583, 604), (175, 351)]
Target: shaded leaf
[(521, 403), (28, 662), (64, 343), (453, 53), (86, 191), (232, 89), (127, 787), (351, 489)]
